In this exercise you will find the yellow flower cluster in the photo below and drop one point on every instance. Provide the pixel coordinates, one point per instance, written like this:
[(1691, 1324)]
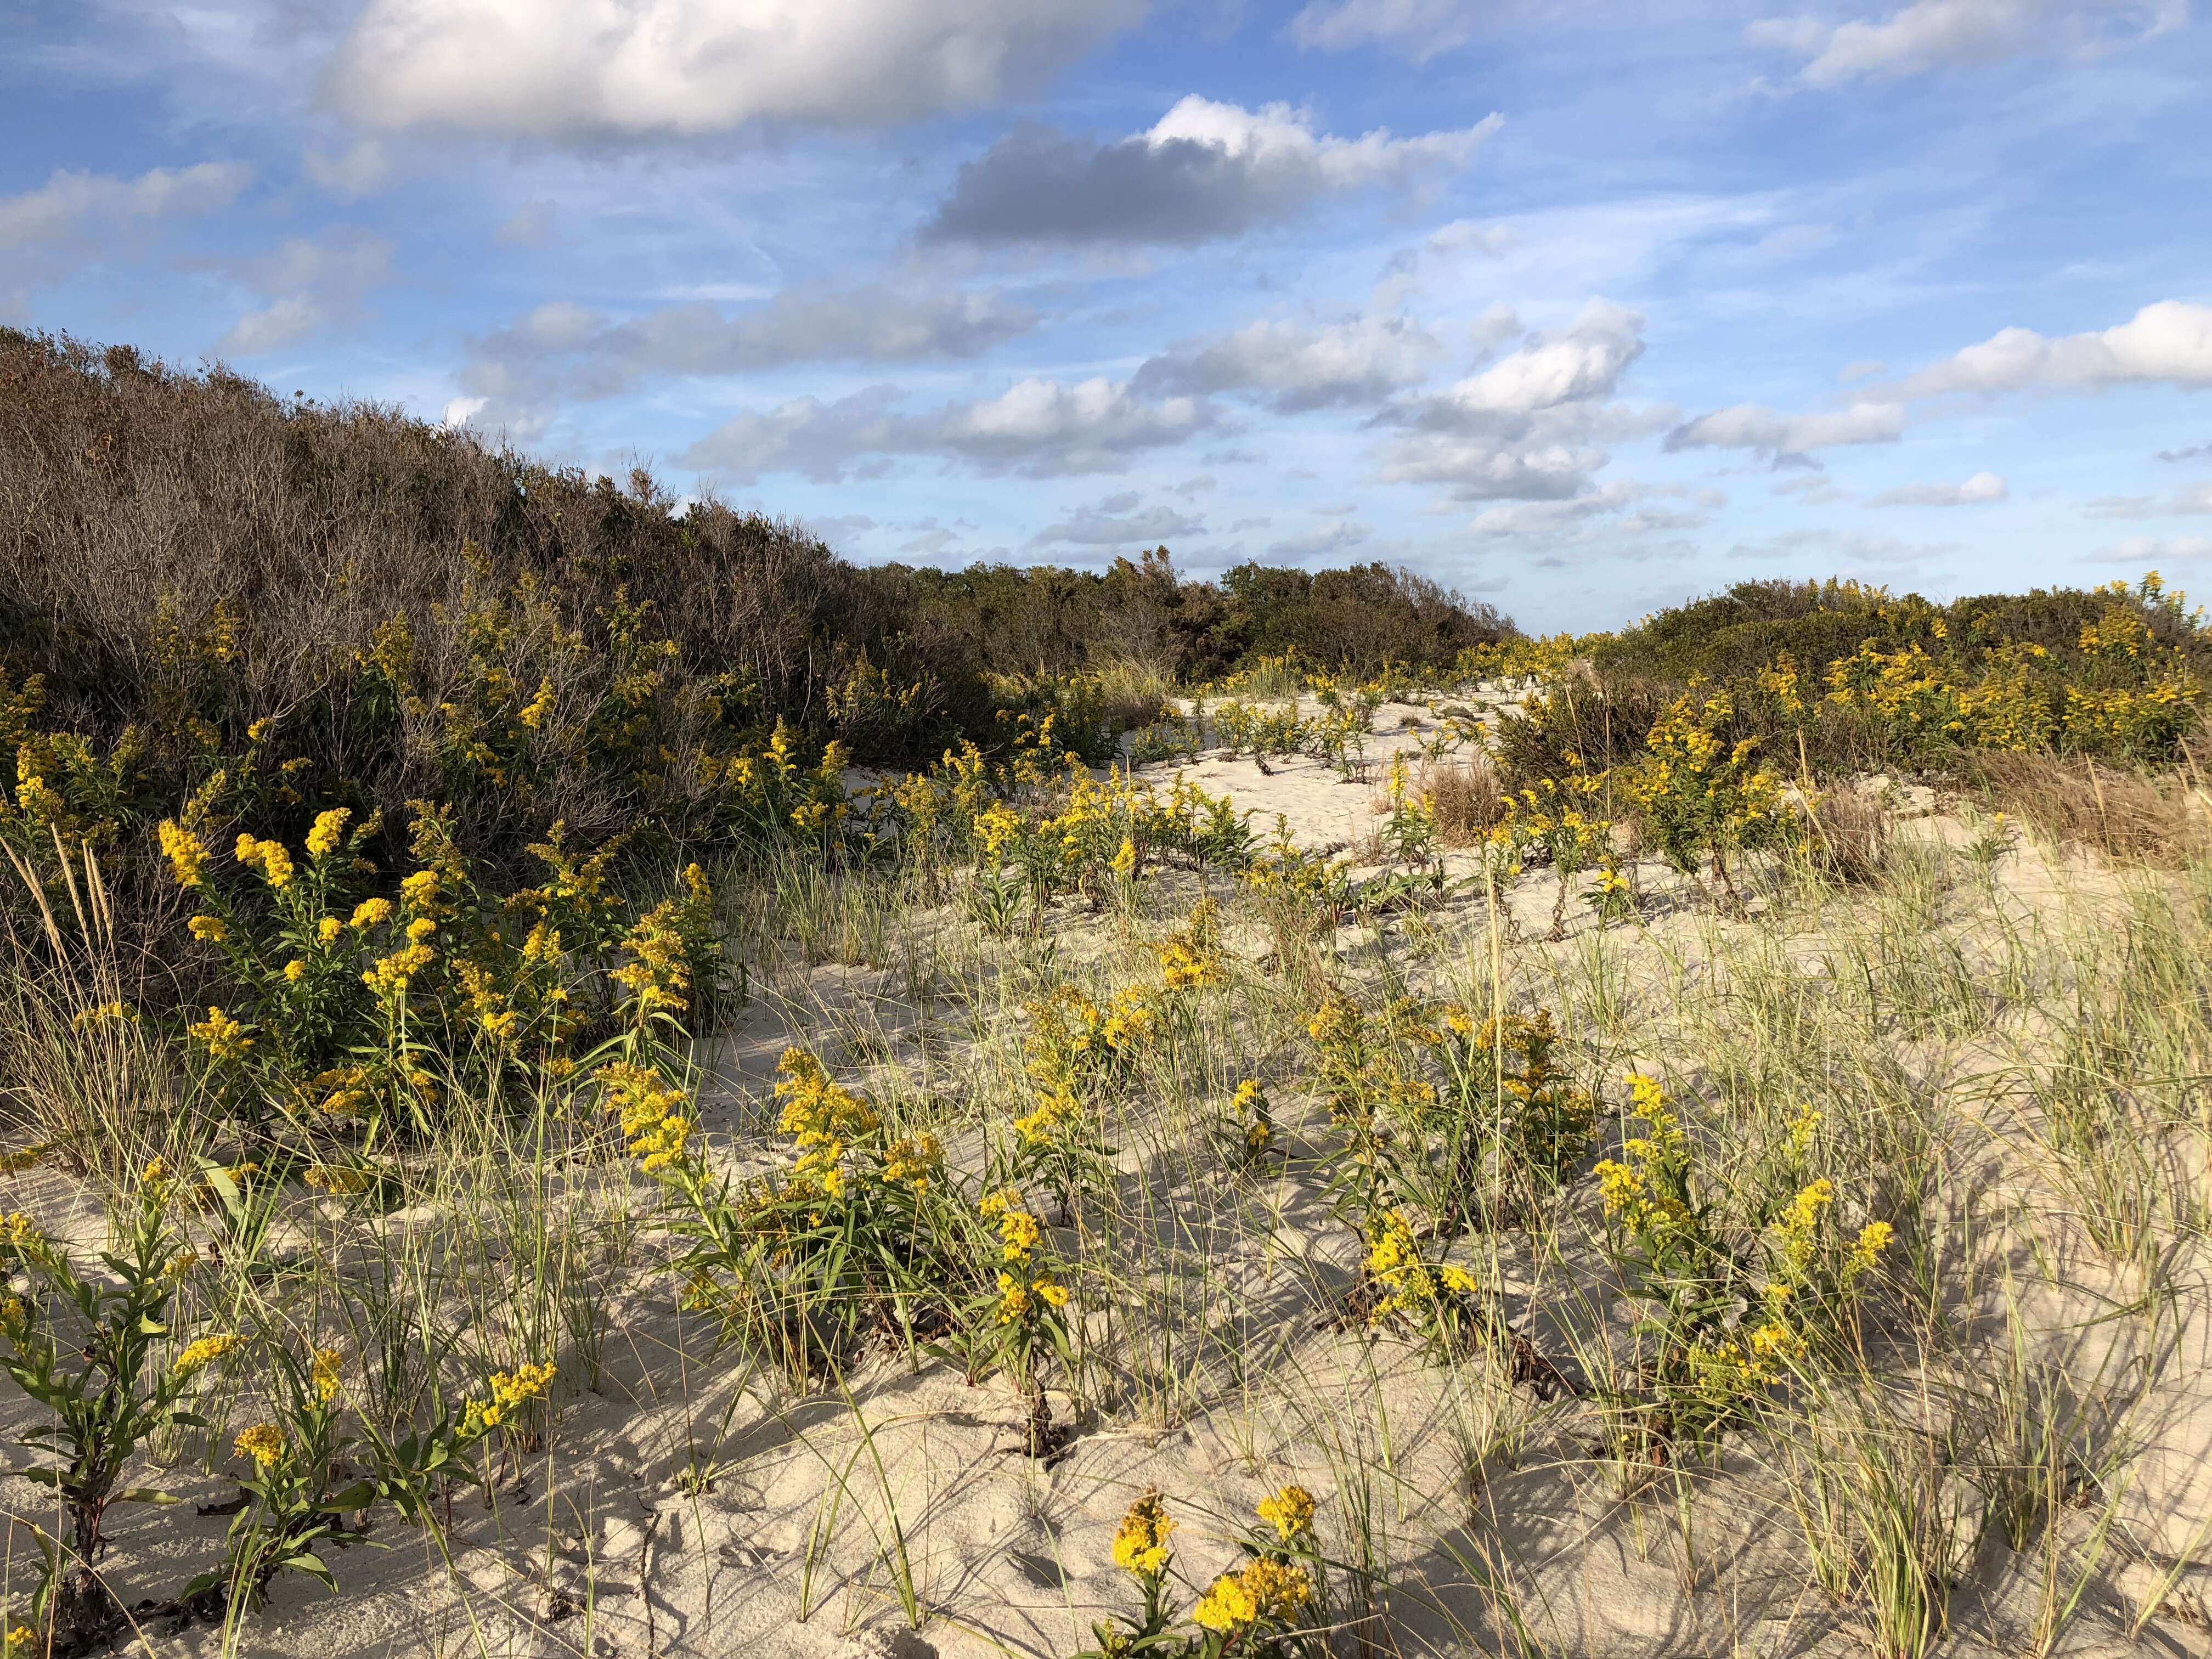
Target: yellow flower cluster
[(1408, 1283), (1265, 1593), (224, 1037), (1016, 1300), (389, 977), (1018, 1231), (658, 975), (1254, 1115), (1289, 1512), (267, 856), (915, 1160), (328, 831), (823, 1118), (264, 1442), (206, 1350), (508, 1391), (1640, 1194), (186, 852), (1140, 1543), (654, 1126), (326, 1378)]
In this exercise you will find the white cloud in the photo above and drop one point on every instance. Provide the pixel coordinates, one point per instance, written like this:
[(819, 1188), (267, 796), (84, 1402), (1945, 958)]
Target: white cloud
[(1038, 428), (1358, 361), (1931, 34), (1320, 541), (1547, 519), (313, 284), (1418, 28), (1530, 426), (1583, 360), (2186, 502), (648, 68), (1204, 170), (1467, 236), (1981, 488), (2170, 342), (71, 203), (2150, 552), (1116, 521), (362, 168), (1751, 426)]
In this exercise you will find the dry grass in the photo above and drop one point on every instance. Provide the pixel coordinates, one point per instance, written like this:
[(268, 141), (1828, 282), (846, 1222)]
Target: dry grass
[(1467, 796), (2128, 815)]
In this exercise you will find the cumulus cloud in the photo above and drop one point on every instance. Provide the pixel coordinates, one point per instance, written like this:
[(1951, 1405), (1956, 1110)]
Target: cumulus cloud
[(1530, 425), (1931, 34), (1118, 521), (563, 350), (1299, 367), (310, 284), (1419, 28), (1751, 426), (2169, 341), (1981, 488), (569, 69), (1205, 170), (2150, 552), (2187, 502), (72, 204), (1038, 428)]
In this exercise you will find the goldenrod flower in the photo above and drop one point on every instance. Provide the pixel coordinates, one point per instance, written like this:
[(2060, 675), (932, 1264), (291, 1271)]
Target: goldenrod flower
[(295, 970), (264, 1442), (269, 857), (186, 852), (206, 1349), (14, 1318), (371, 913), (225, 1038), (212, 930), (1227, 1607), (326, 1378), (1141, 1544), (328, 829)]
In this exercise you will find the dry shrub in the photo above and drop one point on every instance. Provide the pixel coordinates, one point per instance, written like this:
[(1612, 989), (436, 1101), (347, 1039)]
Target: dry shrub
[(1852, 832), (1467, 796), (2139, 817)]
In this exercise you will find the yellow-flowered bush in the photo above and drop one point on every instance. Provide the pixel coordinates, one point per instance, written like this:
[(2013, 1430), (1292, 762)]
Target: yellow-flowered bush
[(1740, 1287)]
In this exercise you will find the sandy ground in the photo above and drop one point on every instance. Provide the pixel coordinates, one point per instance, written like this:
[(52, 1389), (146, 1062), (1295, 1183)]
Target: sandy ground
[(676, 1514)]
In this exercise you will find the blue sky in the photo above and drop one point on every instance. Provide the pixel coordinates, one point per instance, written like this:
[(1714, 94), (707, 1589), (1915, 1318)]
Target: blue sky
[(1573, 309)]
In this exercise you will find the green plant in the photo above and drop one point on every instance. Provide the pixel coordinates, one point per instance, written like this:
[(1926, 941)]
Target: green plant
[(101, 1378)]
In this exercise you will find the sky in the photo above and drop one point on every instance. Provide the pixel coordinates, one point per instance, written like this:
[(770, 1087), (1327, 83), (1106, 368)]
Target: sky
[(1579, 306)]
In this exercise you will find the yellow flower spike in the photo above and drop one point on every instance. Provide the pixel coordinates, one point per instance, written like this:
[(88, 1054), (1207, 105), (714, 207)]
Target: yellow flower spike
[(370, 913), (295, 970), (186, 852), (329, 829), (328, 929), (210, 930), (326, 1378)]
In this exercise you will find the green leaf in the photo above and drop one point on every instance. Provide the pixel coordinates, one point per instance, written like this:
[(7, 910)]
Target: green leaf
[(145, 1495)]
